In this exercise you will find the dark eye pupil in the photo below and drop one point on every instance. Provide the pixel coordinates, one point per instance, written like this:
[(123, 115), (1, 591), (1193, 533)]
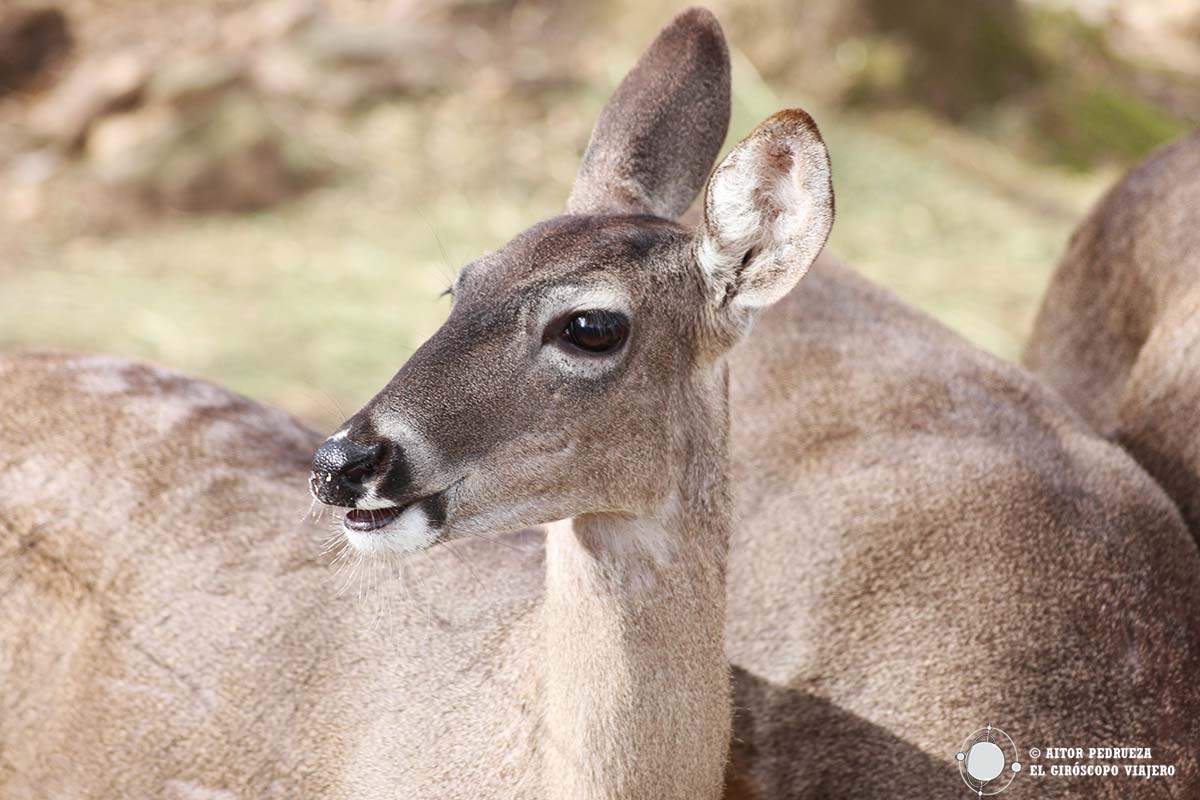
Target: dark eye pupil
[(596, 331)]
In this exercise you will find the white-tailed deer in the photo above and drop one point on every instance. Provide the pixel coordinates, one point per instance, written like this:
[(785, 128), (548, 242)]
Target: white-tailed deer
[(920, 539), (1119, 330)]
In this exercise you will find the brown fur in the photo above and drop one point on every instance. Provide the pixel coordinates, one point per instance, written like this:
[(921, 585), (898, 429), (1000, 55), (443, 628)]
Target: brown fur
[(926, 540), (1119, 330), (672, 110), (937, 542)]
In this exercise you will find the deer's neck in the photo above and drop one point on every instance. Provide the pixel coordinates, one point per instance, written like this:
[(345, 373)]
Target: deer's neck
[(635, 679)]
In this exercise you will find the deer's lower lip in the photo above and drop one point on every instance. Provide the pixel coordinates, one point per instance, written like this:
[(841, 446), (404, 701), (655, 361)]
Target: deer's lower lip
[(366, 520)]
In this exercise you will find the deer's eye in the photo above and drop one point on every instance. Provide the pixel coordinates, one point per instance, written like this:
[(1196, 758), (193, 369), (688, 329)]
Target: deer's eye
[(595, 331)]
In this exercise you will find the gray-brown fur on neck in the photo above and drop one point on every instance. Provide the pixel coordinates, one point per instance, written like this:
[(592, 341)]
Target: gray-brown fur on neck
[(1117, 333), (650, 594)]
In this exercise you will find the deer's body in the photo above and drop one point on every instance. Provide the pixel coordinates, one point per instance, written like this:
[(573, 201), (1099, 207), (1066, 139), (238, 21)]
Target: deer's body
[(900, 541), (1119, 330), (932, 538), (191, 641)]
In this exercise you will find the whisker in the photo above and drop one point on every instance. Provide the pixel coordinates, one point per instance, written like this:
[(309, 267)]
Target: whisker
[(371, 598), (350, 569), (460, 557), (429, 615), (497, 538), (448, 273), (399, 564), (341, 558), (333, 401)]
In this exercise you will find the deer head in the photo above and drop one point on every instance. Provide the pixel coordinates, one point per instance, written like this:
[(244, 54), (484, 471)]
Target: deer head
[(581, 361)]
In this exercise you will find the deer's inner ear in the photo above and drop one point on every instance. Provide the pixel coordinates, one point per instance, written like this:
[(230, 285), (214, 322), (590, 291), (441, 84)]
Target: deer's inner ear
[(768, 210), (659, 134)]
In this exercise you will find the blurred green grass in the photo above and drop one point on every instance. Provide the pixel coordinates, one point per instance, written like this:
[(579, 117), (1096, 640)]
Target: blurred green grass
[(314, 305)]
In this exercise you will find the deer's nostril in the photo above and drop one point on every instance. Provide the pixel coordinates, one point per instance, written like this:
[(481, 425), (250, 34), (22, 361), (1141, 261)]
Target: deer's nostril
[(357, 473), (346, 466)]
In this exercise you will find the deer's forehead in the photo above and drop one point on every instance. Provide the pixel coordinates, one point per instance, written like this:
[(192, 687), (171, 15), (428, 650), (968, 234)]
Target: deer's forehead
[(631, 252)]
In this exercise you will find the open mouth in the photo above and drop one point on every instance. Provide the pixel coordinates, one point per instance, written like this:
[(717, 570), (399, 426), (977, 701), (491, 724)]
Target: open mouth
[(389, 520), (364, 520)]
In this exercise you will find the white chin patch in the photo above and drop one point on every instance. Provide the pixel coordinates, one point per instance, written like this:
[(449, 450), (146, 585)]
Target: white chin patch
[(409, 532)]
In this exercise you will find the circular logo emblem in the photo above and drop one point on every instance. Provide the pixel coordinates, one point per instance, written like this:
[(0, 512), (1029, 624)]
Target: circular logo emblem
[(988, 761)]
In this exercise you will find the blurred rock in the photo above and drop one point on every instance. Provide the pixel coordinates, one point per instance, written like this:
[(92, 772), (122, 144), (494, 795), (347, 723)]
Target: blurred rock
[(343, 66), (93, 89), (220, 124), (268, 22), (222, 153), (31, 39), (286, 72), (34, 167), (193, 83), (25, 181), (127, 148)]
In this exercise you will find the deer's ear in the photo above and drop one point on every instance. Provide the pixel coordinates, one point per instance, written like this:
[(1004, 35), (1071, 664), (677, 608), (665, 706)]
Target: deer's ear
[(768, 210), (657, 138)]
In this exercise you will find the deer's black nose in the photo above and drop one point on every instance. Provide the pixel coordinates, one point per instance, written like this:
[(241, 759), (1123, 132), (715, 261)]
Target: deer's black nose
[(340, 468)]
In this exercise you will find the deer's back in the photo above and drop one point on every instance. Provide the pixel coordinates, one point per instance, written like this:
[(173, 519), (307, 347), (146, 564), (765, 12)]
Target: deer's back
[(1118, 331), (1135, 256), (932, 541)]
